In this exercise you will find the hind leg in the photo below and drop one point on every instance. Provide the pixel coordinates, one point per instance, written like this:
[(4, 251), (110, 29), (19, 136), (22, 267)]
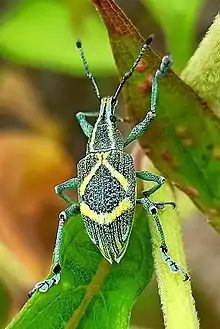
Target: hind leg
[(45, 285), (151, 208)]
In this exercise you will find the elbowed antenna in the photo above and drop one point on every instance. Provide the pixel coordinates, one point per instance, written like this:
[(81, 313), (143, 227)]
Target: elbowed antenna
[(129, 73), (86, 66)]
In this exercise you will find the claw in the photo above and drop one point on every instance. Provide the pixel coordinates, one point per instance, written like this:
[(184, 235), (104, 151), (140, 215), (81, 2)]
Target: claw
[(45, 285), (186, 277), (173, 266), (160, 205)]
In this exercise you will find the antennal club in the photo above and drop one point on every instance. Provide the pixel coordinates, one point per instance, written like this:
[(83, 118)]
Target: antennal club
[(130, 72), (86, 66)]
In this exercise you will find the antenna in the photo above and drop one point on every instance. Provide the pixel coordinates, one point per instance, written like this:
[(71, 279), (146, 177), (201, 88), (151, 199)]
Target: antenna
[(86, 66), (129, 73)]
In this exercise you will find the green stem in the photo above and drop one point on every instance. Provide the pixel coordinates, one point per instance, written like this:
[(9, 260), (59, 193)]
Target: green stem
[(203, 70), (176, 296), (203, 75)]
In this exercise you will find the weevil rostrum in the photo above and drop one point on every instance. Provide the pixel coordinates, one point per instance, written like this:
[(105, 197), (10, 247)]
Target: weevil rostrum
[(106, 179)]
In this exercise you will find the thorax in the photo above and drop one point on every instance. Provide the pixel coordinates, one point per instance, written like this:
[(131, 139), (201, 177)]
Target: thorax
[(104, 138)]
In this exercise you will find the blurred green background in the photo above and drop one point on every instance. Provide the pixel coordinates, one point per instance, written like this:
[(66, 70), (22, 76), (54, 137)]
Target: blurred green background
[(42, 86)]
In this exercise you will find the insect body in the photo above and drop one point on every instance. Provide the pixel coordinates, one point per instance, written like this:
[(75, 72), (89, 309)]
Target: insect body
[(106, 180)]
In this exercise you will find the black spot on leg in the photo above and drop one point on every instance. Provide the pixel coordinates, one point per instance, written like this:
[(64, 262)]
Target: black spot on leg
[(57, 269), (164, 249), (153, 211)]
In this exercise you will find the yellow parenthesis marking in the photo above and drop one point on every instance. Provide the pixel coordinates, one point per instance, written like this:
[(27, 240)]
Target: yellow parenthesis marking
[(106, 218), (86, 180), (122, 180), (102, 159)]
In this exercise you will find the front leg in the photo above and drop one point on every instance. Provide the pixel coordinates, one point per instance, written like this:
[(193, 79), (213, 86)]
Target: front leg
[(87, 128), (141, 127)]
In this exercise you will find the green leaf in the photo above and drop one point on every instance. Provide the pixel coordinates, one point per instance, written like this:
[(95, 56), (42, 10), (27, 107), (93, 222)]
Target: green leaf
[(184, 140), (202, 72), (178, 20), (5, 303), (41, 34), (92, 293)]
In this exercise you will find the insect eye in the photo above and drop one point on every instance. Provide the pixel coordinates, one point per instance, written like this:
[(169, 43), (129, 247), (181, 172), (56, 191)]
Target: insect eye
[(113, 118)]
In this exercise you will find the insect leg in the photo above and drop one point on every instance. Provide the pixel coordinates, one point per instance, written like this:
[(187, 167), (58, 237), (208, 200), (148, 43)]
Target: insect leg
[(152, 210), (87, 128), (45, 285), (150, 177), (68, 185), (141, 127)]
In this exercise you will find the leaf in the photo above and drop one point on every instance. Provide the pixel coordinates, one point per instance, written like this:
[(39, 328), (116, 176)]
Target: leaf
[(203, 70), (184, 139), (5, 301), (79, 10), (173, 13), (92, 293), (48, 40), (174, 293)]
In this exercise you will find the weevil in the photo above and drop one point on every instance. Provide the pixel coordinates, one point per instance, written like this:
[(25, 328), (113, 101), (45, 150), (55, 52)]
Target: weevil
[(106, 179)]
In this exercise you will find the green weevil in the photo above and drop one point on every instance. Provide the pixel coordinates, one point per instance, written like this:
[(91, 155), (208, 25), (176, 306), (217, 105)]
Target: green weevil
[(106, 179)]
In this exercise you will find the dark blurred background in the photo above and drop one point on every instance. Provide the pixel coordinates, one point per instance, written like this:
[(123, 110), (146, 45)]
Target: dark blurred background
[(41, 142)]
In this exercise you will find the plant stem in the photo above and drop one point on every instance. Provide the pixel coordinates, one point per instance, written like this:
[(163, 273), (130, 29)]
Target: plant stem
[(203, 75), (178, 305), (203, 70), (177, 302)]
